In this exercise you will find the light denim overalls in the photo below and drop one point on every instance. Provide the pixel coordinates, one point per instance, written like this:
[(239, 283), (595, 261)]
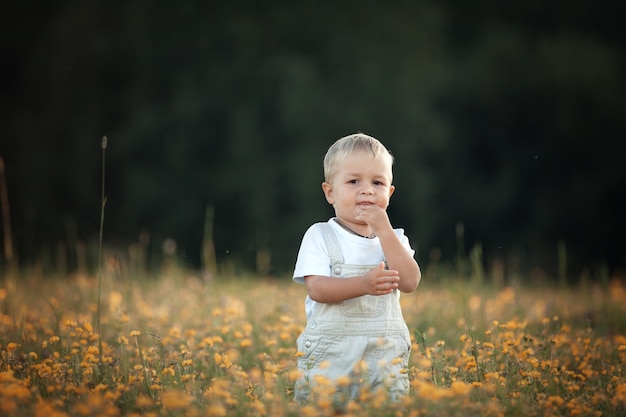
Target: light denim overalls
[(342, 337)]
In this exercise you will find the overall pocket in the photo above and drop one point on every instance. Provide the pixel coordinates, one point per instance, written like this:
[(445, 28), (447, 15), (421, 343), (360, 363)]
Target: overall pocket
[(365, 306), (314, 348)]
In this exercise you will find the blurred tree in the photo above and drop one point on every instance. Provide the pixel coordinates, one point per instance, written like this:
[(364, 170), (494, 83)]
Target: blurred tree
[(505, 119)]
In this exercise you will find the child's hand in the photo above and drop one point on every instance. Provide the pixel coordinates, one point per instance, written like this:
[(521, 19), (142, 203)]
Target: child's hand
[(376, 217), (380, 281)]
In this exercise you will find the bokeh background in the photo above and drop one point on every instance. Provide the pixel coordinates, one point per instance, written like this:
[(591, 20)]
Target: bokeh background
[(507, 121)]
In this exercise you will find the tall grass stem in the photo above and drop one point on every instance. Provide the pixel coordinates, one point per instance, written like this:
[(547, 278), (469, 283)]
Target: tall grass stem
[(103, 201), (6, 220)]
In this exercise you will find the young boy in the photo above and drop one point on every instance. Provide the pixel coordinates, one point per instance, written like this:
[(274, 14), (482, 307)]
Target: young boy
[(354, 267)]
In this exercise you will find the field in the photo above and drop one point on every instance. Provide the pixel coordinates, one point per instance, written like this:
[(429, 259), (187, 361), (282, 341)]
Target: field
[(178, 345)]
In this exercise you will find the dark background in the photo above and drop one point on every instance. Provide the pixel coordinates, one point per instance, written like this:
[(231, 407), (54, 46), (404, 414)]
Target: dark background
[(505, 118)]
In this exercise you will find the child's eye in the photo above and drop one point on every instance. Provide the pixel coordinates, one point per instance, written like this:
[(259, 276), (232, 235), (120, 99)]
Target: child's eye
[(352, 181), (378, 183)]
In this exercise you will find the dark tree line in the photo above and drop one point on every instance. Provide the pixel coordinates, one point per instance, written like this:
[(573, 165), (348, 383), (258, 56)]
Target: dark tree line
[(508, 119)]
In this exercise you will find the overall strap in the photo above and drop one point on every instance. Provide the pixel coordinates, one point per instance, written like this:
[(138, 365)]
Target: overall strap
[(334, 250)]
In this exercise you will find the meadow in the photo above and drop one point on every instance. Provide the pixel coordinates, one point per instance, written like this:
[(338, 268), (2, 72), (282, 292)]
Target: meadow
[(180, 345)]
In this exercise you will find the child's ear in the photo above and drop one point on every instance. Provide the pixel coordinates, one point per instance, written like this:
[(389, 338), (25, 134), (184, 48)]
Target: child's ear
[(392, 188), (328, 192)]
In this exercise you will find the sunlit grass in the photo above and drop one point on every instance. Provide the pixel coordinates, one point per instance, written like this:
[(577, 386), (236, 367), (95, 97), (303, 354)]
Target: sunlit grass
[(176, 345)]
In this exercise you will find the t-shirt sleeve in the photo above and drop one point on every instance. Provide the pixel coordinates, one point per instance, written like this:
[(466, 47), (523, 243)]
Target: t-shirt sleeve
[(313, 256), (405, 241)]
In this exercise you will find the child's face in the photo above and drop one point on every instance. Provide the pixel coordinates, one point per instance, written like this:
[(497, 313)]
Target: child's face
[(361, 182)]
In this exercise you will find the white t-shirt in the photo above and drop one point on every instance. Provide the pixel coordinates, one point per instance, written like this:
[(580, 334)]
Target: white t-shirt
[(313, 257)]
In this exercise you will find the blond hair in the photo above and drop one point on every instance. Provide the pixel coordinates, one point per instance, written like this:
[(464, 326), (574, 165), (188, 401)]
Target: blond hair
[(358, 142)]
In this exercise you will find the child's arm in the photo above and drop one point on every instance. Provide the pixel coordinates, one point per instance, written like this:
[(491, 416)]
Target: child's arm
[(378, 281), (398, 258)]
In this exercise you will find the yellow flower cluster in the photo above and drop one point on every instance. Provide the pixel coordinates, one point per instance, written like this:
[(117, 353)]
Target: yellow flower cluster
[(179, 346)]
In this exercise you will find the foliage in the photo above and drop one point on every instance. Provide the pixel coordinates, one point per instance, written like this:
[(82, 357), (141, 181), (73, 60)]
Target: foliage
[(505, 118), (180, 345)]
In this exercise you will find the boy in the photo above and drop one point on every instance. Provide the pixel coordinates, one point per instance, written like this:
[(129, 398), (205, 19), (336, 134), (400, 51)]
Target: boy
[(354, 267)]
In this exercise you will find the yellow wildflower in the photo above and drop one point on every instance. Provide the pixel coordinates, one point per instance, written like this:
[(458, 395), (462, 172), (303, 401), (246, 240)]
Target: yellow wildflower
[(460, 388), (216, 410), (175, 400)]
